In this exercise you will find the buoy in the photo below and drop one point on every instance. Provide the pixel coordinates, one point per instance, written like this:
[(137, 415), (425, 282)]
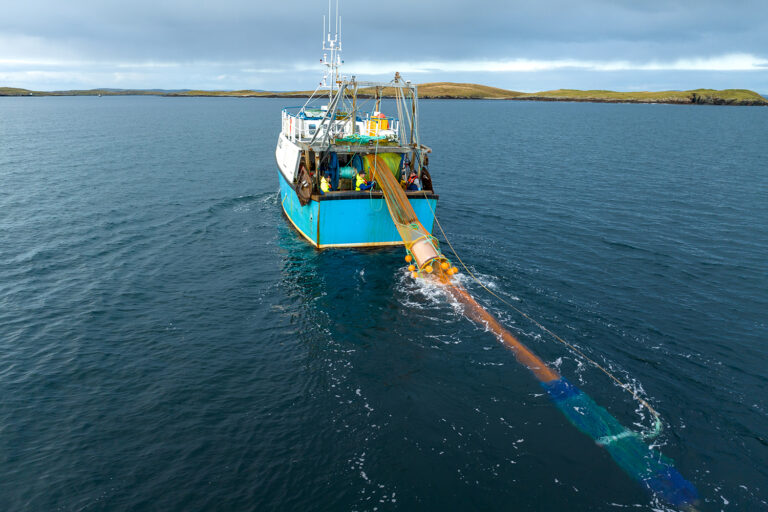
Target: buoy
[(414, 275), (408, 258), (444, 265), (455, 270), (449, 271), (428, 268), (411, 267)]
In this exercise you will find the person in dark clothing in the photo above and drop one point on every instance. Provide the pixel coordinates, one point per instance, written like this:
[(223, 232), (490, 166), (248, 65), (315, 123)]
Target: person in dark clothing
[(413, 182)]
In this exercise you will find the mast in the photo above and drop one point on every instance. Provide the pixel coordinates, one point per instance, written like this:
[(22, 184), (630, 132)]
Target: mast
[(332, 51)]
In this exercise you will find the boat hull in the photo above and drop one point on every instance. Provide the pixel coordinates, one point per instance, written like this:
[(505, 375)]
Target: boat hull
[(349, 219)]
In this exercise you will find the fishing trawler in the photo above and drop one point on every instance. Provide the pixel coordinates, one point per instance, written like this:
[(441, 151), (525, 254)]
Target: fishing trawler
[(329, 150)]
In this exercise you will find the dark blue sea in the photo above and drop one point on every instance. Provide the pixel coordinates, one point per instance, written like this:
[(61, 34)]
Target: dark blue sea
[(169, 342)]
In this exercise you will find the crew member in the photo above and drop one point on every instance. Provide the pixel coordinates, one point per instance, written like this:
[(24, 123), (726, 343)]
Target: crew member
[(360, 183), (413, 181), (325, 184)]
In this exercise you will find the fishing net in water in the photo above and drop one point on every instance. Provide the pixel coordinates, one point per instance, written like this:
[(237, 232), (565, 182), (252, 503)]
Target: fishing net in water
[(627, 448), (418, 241)]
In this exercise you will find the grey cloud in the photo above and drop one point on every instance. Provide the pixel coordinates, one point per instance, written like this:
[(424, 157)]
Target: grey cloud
[(239, 34)]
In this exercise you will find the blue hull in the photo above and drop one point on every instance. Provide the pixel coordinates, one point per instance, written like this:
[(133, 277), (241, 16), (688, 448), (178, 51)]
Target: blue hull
[(349, 222)]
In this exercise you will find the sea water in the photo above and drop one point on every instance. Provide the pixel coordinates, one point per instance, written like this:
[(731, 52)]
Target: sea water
[(169, 342)]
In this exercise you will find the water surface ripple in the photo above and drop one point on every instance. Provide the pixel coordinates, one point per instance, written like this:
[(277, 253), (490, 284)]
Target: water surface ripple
[(168, 342)]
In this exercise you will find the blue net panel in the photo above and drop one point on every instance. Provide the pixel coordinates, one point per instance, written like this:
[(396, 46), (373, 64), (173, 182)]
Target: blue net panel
[(626, 447)]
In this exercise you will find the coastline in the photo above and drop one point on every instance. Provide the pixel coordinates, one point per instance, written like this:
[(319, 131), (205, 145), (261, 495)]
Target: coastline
[(455, 91)]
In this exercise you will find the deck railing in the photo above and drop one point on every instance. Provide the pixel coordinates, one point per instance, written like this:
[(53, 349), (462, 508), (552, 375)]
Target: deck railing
[(301, 125)]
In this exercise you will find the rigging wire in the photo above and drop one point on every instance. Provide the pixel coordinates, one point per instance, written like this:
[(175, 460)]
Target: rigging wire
[(309, 99)]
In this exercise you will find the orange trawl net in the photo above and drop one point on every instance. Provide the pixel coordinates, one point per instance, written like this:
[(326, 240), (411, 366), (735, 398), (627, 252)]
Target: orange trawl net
[(418, 240)]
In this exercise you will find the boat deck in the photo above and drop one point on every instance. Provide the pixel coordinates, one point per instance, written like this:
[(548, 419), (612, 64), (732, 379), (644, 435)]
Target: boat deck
[(334, 195)]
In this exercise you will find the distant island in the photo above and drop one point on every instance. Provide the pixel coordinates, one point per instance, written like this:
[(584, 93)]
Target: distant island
[(450, 90)]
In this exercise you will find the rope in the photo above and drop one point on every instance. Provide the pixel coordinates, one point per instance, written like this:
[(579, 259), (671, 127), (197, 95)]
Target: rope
[(657, 427)]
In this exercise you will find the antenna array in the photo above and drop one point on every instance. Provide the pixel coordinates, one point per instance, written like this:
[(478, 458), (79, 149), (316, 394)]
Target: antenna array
[(331, 49)]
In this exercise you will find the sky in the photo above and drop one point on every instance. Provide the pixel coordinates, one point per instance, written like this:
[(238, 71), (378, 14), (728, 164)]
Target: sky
[(520, 45)]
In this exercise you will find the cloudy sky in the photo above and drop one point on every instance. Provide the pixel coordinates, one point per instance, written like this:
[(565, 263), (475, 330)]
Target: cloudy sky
[(521, 45)]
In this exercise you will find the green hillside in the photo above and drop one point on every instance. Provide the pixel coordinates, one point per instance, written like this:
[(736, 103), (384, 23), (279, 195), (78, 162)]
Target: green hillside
[(450, 90), (698, 96), (15, 91)]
